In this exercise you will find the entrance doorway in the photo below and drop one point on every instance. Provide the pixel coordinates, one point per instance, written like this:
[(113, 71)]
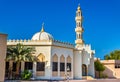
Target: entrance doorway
[(84, 70)]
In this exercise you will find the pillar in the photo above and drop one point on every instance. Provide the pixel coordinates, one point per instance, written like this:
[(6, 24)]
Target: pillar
[(65, 65), (34, 69), (77, 65), (91, 70), (58, 66)]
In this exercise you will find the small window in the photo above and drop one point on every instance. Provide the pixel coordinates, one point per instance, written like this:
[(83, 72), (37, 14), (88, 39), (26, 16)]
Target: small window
[(69, 66), (55, 66), (118, 66), (62, 66), (29, 65), (40, 66), (115, 66), (77, 24), (78, 14)]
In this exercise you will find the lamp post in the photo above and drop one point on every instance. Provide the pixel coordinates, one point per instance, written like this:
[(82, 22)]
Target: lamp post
[(68, 69)]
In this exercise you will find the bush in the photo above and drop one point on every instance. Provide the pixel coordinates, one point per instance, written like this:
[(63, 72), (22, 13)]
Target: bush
[(26, 75), (103, 76)]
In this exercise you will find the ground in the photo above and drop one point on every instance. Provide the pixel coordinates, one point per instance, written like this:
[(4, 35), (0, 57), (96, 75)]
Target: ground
[(97, 80)]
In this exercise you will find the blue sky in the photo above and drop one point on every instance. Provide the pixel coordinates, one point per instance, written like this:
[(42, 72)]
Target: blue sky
[(20, 19)]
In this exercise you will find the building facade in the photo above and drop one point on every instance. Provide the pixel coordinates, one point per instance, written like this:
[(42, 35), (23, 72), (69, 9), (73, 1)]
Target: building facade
[(3, 47), (112, 68), (58, 59)]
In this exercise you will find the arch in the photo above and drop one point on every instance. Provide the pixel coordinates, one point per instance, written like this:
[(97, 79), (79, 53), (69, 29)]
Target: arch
[(78, 14), (55, 65), (68, 59), (40, 65), (62, 66), (69, 66), (41, 57), (84, 70), (62, 59), (55, 58)]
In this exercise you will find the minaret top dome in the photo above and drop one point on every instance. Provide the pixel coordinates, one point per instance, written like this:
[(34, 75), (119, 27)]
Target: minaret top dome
[(78, 7)]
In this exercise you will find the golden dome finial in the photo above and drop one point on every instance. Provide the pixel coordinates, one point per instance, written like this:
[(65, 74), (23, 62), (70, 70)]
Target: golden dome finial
[(42, 30)]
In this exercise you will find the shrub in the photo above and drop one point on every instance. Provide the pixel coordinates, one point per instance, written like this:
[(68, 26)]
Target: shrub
[(26, 75)]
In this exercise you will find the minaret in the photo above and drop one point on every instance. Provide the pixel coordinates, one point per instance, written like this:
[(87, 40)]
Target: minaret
[(79, 30)]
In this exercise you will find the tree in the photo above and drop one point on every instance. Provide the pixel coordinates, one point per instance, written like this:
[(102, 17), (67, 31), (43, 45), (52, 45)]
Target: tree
[(113, 55), (99, 67), (20, 53)]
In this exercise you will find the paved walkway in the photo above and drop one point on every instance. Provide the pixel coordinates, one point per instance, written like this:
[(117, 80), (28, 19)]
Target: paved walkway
[(98, 80)]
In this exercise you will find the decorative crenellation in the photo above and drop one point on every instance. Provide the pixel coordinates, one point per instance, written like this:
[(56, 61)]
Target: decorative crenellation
[(41, 42), (87, 47), (29, 42), (22, 40), (25, 40), (64, 44)]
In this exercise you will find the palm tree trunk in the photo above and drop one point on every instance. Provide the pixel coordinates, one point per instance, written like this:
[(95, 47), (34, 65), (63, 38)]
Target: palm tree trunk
[(10, 70), (17, 68)]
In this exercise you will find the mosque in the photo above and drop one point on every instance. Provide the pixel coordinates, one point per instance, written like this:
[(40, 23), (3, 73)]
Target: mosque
[(56, 58)]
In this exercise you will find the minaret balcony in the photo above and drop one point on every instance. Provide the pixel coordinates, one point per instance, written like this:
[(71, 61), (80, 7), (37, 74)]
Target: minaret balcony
[(79, 41), (78, 18), (79, 29)]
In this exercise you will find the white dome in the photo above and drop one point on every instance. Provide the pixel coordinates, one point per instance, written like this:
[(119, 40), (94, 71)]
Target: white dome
[(42, 36)]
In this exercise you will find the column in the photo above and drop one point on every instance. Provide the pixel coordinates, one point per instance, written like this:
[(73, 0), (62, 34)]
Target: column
[(65, 66), (77, 65), (59, 66), (72, 67), (92, 66), (34, 69)]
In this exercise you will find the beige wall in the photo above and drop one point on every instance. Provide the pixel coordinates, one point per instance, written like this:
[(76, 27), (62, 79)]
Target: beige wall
[(110, 70), (3, 39)]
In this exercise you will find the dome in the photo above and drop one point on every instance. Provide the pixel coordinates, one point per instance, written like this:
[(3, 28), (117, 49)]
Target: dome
[(42, 35)]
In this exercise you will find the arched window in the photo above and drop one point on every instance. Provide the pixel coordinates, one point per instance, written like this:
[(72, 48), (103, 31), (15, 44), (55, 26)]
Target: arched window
[(79, 24), (69, 63), (78, 14), (78, 36), (41, 62), (62, 63), (28, 65), (55, 63)]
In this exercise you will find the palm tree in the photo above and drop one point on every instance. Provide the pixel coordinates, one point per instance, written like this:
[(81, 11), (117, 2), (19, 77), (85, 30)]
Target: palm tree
[(20, 53), (114, 55)]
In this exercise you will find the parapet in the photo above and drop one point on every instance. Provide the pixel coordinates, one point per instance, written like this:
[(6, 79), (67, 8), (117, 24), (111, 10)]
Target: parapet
[(40, 42), (63, 44), (28, 42)]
